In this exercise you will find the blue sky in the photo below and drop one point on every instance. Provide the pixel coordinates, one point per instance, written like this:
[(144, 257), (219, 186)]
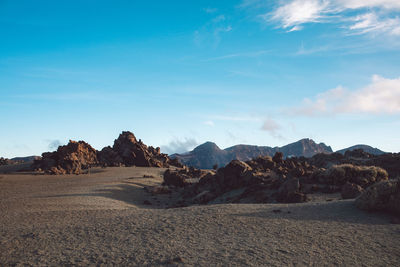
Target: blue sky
[(179, 73)]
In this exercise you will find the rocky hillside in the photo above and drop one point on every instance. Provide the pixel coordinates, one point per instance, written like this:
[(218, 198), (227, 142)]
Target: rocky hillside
[(366, 148), (208, 154)]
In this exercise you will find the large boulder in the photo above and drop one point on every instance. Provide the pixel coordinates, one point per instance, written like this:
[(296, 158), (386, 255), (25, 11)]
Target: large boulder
[(72, 158), (185, 176), (382, 196), (109, 158), (233, 175), (290, 192), (132, 152), (350, 191)]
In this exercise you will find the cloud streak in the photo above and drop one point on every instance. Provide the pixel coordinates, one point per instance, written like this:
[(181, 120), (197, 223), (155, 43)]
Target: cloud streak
[(272, 127), (179, 146), (356, 16), (240, 55)]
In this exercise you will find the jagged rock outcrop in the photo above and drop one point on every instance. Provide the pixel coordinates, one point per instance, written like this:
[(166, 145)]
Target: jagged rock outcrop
[(107, 157), (3, 161), (184, 177), (290, 192), (276, 179), (382, 196), (72, 158), (261, 180), (128, 151)]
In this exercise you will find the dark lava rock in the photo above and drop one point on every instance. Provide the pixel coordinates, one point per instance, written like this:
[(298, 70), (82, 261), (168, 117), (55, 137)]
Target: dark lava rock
[(350, 191), (290, 192), (278, 157), (3, 161), (128, 151), (185, 176)]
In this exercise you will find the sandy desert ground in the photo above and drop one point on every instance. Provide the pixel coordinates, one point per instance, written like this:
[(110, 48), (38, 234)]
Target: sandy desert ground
[(101, 219)]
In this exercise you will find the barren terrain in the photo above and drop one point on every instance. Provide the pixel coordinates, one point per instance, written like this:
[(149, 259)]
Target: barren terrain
[(100, 218)]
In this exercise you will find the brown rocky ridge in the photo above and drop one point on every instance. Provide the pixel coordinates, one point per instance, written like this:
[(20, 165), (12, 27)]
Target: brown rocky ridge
[(387, 161), (271, 180), (76, 157)]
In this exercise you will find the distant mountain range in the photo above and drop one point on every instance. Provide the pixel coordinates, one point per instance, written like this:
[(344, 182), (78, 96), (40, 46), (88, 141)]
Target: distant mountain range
[(205, 156), (18, 160)]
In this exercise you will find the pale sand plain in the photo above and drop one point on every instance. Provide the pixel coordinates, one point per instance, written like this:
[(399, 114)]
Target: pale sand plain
[(99, 219)]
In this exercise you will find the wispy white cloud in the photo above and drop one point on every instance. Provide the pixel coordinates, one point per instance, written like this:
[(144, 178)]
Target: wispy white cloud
[(381, 96), (179, 146), (272, 127), (209, 123), (53, 144), (211, 33), (297, 12), (372, 16), (296, 28), (370, 22), (239, 55), (210, 10), (354, 4), (218, 18)]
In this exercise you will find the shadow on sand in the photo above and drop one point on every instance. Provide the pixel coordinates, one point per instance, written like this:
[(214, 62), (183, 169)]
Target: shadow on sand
[(129, 193), (337, 211)]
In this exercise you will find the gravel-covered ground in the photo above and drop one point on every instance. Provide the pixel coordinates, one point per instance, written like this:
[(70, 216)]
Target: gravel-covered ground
[(100, 219)]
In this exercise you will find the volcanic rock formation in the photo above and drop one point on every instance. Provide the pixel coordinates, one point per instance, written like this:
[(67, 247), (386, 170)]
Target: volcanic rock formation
[(75, 157), (266, 179), (3, 161), (388, 161), (127, 151), (72, 158)]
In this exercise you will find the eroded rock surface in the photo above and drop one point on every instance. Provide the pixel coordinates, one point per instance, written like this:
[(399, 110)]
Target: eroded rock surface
[(128, 151), (72, 158)]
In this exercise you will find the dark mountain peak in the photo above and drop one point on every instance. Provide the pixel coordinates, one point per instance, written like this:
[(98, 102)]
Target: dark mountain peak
[(306, 140), (206, 155), (207, 146), (305, 147), (311, 142)]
